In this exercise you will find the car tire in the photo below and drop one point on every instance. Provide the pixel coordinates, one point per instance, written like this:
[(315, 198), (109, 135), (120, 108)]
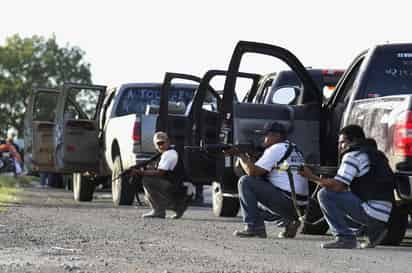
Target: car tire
[(223, 206), (83, 188), (397, 225), (123, 188)]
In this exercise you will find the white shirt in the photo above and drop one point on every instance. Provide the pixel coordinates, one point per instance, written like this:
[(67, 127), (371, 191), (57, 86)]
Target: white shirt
[(279, 178), (168, 160), (356, 164)]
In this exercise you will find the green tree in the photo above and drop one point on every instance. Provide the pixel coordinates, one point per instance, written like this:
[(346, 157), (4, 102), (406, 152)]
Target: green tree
[(31, 62)]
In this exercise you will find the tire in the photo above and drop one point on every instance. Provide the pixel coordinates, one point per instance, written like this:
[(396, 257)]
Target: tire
[(314, 222), (223, 206), (83, 188), (397, 225), (123, 188)]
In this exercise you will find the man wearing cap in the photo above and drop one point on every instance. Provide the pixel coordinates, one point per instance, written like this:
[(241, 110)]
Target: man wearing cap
[(266, 185), (162, 186)]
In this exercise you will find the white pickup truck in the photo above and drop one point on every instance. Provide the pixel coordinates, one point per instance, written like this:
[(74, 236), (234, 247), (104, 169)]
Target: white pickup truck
[(95, 133)]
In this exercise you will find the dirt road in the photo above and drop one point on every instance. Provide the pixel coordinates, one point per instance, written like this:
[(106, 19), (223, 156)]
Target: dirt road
[(48, 232)]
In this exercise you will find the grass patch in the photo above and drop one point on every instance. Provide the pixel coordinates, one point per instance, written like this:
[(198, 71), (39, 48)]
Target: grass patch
[(8, 189), (7, 195)]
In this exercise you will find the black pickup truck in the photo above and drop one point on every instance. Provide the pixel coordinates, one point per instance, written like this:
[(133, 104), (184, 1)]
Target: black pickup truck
[(374, 92)]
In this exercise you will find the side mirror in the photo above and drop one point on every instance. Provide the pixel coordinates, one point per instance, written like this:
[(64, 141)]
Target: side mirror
[(286, 95)]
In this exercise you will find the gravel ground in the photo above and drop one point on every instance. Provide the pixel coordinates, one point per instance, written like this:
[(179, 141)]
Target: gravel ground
[(48, 232)]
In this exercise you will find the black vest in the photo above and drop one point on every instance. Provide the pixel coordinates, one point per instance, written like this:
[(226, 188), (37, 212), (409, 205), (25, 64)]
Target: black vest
[(176, 175), (379, 182)]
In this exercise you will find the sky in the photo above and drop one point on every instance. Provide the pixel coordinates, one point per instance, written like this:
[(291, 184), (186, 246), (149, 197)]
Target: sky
[(138, 41)]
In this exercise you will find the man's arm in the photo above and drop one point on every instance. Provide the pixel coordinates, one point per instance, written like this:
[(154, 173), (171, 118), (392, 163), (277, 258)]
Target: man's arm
[(328, 183), (249, 167)]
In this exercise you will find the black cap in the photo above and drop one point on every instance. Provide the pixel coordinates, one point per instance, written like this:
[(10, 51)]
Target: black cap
[(275, 127)]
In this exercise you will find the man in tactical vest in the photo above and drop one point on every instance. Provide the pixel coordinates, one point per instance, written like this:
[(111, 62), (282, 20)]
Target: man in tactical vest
[(163, 185), (362, 190), (266, 185)]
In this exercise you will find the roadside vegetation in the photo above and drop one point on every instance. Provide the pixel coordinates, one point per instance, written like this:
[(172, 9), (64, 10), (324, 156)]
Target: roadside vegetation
[(9, 186)]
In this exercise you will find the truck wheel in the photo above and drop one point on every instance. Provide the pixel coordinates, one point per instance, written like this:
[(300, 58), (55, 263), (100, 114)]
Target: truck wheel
[(123, 188), (223, 206), (83, 187), (397, 225)]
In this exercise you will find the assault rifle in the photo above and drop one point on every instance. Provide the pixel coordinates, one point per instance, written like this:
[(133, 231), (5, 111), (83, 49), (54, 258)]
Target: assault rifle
[(317, 169), (221, 148), (142, 164), (128, 171)]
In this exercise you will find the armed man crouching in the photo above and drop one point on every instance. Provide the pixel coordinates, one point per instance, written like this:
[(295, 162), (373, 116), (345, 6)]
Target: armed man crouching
[(163, 186), (264, 184), (362, 190)]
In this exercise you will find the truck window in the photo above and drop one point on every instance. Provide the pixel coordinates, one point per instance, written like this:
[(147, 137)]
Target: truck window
[(136, 99), (210, 102), (349, 84), (81, 104), (390, 73), (44, 105)]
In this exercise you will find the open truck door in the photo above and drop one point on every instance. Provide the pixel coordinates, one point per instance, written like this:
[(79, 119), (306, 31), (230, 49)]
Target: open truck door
[(76, 132), (203, 117), (242, 123), (39, 125), (175, 100)]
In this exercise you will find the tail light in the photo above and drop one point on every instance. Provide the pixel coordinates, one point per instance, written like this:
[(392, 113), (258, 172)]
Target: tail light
[(402, 135), (137, 136)]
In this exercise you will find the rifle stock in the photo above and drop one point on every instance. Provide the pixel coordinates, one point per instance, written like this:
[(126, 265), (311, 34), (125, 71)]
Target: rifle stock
[(317, 169)]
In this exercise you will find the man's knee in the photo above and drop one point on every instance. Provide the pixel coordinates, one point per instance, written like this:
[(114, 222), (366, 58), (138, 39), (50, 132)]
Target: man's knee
[(147, 181), (244, 181), (325, 195)]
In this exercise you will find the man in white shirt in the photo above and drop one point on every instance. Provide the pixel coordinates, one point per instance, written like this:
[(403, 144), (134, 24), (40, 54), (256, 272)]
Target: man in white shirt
[(266, 185), (362, 190), (163, 186)]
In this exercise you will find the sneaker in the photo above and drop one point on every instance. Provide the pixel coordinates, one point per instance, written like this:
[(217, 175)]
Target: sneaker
[(291, 229), (375, 239), (154, 214), (247, 233), (340, 243), (182, 206)]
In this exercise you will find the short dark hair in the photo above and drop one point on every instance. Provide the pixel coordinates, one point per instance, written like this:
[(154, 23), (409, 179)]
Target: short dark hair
[(353, 132), (370, 142)]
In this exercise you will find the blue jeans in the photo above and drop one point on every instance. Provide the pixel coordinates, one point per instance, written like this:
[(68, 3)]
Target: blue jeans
[(338, 206), (254, 190)]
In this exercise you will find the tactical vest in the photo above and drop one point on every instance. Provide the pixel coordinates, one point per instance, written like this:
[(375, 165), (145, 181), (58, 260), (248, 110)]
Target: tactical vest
[(176, 175), (379, 182)]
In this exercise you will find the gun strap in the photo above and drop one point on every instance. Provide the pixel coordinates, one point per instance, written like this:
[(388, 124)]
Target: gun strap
[(288, 152), (293, 192)]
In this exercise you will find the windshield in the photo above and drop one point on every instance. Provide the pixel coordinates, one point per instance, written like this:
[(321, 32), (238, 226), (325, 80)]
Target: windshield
[(136, 99), (390, 74)]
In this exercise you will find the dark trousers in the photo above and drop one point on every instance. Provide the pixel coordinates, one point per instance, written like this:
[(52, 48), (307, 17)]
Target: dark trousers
[(160, 193), (254, 190)]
